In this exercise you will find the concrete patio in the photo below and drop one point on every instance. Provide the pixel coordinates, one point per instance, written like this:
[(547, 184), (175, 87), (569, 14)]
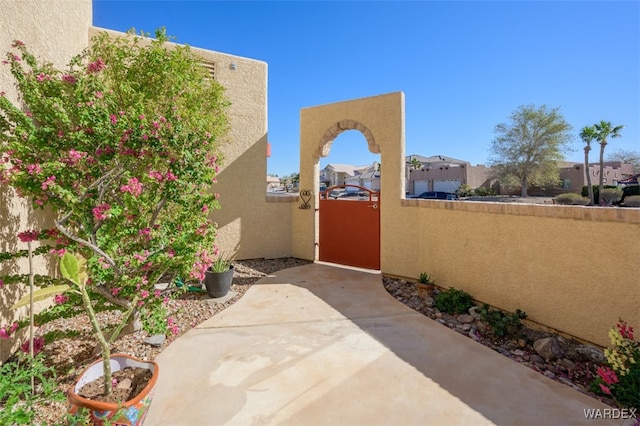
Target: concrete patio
[(327, 345)]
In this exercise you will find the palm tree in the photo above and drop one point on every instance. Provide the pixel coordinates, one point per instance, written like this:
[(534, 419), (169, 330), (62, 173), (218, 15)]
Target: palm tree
[(604, 130), (588, 134)]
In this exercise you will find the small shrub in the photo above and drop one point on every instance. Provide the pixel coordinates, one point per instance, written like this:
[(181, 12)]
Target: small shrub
[(482, 191), (596, 191), (571, 199), (464, 191), (425, 279), (16, 398), (502, 323), (632, 201), (610, 195), (453, 301)]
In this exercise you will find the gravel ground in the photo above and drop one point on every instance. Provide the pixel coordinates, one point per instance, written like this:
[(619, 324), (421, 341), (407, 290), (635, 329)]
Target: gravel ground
[(70, 355)]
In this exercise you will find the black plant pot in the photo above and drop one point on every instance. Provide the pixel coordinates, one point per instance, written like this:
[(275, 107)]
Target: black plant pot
[(218, 283)]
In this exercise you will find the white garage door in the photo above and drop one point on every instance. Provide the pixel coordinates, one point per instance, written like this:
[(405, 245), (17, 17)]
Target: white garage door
[(446, 185), (420, 186)]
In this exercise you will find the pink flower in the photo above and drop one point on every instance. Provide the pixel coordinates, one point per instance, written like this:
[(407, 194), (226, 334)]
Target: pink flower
[(100, 211), (157, 293), (96, 66), (608, 375), (42, 77), (170, 176), (28, 236), (205, 209), (144, 294), (113, 118), (17, 43), (1, 283), (47, 183), (625, 331), (156, 175), (59, 252), (134, 187), (605, 389), (170, 253), (59, 299), (38, 344), (5, 334), (99, 95), (33, 169), (115, 291), (68, 78)]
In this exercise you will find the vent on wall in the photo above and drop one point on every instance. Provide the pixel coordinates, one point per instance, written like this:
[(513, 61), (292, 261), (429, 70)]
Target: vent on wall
[(211, 69)]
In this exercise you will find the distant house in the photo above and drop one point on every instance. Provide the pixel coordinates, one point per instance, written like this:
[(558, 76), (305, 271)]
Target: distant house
[(442, 173), (367, 177), (573, 176), (273, 183), (337, 174)]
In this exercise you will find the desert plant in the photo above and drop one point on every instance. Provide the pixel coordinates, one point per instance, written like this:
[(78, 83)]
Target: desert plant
[(424, 278), (123, 147), (632, 201), (596, 192), (464, 190), (571, 199), (608, 196), (453, 301), (620, 378), (221, 263), (482, 191), (502, 323)]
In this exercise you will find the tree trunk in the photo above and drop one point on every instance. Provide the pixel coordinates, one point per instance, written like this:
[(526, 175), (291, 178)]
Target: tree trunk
[(525, 185), (601, 181), (588, 172)]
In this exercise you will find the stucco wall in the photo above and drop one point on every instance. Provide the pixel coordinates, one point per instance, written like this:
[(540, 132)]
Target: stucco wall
[(54, 31), (381, 120), (571, 268), (574, 269)]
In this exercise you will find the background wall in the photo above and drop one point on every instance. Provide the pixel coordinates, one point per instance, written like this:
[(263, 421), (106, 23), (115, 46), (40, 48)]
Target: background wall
[(54, 31), (571, 268)]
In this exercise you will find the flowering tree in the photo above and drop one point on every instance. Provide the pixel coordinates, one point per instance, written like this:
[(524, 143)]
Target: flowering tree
[(123, 146)]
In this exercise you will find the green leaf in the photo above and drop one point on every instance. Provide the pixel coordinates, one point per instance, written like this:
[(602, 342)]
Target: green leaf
[(41, 294), (69, 267)]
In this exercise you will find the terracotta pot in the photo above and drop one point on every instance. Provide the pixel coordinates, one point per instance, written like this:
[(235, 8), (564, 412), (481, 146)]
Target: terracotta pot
[(218, 283), (131, 412)]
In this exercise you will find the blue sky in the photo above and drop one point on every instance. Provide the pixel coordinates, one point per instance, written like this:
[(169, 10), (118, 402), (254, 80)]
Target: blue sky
[(463, 66)]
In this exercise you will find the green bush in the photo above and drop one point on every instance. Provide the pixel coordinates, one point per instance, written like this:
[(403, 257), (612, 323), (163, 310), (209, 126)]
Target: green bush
[(453, 301), (596, 193), (425, 279), (632, 201), (571, 199), (610, 195), (482, 191), (464, 191), (502, 323)]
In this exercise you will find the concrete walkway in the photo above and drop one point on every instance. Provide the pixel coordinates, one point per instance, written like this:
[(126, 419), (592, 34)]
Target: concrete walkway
[(327, 345)]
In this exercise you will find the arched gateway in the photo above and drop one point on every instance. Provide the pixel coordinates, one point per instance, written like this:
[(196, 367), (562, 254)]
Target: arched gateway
[(349, 232)]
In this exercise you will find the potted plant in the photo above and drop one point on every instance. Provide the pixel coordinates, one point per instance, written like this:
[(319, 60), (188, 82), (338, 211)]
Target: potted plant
[(122, 148), (425, 285), (219, 277)]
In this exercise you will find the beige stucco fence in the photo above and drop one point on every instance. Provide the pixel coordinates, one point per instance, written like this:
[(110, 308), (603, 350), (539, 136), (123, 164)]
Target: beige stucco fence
[(572, 268)]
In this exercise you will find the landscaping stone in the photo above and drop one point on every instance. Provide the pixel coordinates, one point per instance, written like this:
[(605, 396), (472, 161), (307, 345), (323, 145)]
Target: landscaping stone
[(536, 358), (522, 343), (548, 348), (473, 311), (429, 302), (550, 374), (591, 353), (465, 319), (568, 364), (156, 340)]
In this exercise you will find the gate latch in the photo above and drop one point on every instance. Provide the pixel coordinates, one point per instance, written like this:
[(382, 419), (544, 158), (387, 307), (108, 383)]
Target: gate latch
[(373, 206)]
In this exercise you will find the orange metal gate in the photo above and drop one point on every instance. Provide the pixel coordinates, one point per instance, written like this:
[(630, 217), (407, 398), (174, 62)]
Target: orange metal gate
[(350, 226)]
